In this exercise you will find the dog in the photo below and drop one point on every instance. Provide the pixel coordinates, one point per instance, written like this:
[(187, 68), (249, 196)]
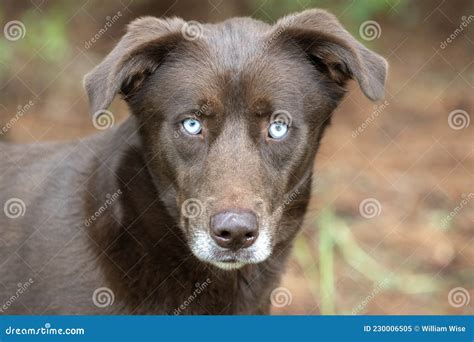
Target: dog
[(191, 205)]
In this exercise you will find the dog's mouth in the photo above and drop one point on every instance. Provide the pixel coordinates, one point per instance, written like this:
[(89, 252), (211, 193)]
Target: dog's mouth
[(230, 264), (234, 260), (206, 250)]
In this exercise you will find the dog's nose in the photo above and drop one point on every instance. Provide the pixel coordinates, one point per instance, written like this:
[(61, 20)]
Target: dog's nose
[(234, 229)]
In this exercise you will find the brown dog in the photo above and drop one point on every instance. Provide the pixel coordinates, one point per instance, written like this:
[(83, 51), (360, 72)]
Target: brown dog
[(191, 205)]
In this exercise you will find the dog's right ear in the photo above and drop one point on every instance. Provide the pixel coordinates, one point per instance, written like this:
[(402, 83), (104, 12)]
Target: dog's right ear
[(140, 51)]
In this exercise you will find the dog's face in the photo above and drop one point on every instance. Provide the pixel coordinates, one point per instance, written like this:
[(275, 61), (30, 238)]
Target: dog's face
[(231, 119)]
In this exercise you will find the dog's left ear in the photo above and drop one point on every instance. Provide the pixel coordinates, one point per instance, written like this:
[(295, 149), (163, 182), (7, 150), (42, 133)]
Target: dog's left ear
[(140, 51), (320, 35)]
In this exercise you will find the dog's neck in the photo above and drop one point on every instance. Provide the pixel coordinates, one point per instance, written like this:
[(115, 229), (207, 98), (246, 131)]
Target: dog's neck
[(144, 253)]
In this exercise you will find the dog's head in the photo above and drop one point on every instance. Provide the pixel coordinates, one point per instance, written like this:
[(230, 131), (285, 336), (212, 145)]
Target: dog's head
[(231, 116)]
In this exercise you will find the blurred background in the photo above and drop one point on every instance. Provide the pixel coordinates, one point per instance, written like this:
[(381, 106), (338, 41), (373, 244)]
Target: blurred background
[(390, 229)]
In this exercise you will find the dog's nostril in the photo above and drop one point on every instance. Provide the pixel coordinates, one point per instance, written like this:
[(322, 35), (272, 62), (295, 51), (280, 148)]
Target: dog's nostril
[(224, 234), (249, 235), (234, 229)]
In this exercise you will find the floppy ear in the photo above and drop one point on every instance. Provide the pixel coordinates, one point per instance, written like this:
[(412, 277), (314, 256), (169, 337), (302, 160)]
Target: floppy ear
[(140, 51), (332, 49)]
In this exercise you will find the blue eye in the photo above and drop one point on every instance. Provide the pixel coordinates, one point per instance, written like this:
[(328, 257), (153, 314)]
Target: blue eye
[(192, 126), (278, 130)]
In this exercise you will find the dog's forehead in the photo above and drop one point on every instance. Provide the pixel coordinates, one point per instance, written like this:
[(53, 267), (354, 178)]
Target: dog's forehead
[(233, 63), (238, 38)]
